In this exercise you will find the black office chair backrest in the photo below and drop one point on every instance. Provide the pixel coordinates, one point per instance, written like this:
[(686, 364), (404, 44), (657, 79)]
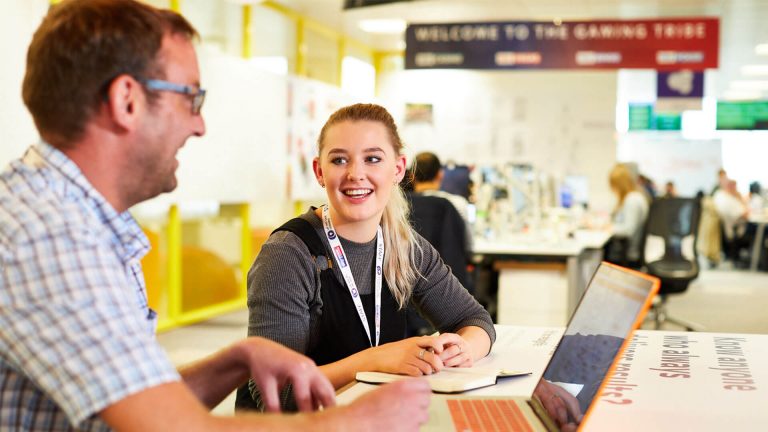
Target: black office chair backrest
[(675, 221)]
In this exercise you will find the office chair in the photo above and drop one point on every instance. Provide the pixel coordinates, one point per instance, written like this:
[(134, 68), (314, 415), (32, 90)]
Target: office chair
[(672, 228)]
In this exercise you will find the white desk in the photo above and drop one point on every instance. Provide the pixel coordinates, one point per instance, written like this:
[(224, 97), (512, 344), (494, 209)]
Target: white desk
[(639, 397), (757, 248), (541, 279), (678, 381)]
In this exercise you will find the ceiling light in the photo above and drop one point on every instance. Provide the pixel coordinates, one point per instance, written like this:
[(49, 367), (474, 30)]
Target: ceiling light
[(762, 49), (391, 26), (754, 70), (749, 85)]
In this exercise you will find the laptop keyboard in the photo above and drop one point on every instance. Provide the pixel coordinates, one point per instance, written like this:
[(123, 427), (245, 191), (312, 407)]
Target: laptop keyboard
[(487, 415)]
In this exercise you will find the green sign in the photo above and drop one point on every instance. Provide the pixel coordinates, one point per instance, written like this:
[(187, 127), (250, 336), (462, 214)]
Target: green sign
[(668, 122), (640, 117), (742, 115)]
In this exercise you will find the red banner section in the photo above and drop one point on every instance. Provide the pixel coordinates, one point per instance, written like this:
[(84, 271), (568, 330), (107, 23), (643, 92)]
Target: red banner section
[(662, 44)]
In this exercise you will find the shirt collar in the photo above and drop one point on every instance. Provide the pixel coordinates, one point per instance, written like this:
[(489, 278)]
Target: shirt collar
[(122, 226)]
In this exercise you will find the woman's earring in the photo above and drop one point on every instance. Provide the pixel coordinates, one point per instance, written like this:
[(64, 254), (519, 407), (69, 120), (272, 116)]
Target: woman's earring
[(322, 185)]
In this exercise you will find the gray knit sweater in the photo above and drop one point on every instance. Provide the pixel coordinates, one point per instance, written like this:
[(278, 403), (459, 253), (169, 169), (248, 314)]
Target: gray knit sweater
[(284, 293)]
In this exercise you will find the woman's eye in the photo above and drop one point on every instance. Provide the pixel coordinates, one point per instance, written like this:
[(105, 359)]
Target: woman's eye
[(373, 159), (338, 161)]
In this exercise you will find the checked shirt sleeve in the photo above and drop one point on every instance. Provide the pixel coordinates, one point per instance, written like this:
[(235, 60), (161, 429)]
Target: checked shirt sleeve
[(72, 322)]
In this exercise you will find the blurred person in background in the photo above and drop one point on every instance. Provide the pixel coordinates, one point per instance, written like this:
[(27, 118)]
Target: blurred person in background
[(627, 219)]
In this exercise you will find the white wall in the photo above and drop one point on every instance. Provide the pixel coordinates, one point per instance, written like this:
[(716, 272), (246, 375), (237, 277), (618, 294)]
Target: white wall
[(17, 24), (243, 156), (666, 156), (562, 122)]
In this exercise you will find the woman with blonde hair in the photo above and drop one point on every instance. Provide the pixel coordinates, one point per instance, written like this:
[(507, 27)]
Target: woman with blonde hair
[(334, 283), (628, 217)]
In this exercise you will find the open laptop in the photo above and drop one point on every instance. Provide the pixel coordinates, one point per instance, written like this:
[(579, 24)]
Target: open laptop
[(613, 305)]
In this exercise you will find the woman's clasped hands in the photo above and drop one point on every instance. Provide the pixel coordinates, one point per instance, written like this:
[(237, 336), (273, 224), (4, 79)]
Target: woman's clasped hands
[(423, 355)]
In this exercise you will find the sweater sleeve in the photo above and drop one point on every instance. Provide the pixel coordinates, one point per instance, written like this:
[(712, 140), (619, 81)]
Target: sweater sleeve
[(442, 300), (279, 301)]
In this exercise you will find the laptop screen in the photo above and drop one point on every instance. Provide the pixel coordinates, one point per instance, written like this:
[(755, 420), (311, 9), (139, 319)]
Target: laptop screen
[(615, 301)]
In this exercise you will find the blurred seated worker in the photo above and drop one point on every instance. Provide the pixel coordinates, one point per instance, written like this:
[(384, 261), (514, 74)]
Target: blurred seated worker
[(439, 217), (436, 219), (113, 87), (647, 187), (427, 177), (710, 239), (722, 177), (627, 219), (755, 199), (669, 190), (733, 212)]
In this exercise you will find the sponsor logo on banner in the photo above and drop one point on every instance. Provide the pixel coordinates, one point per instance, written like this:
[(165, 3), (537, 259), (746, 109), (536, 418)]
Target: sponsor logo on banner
[(331, 234), (340, 256)]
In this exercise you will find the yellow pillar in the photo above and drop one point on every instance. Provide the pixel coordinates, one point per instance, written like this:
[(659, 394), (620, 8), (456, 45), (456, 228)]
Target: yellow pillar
[(174, 263), (247, 32), (175, 5), (342, 51), (301, 49), (378, 65), (245, 247)]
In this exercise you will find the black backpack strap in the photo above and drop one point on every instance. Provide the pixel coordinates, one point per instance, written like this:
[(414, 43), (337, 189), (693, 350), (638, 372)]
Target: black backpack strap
[(306, 232)]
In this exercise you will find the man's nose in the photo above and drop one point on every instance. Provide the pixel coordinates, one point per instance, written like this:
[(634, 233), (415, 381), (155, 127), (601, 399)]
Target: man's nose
[(198, 127)]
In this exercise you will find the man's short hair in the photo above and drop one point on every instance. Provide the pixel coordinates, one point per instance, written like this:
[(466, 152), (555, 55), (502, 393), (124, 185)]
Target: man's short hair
[(426, 167), (80, 47)]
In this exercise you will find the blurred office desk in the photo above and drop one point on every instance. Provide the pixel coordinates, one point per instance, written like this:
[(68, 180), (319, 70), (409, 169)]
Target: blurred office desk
[(757, 248), (540, 280)]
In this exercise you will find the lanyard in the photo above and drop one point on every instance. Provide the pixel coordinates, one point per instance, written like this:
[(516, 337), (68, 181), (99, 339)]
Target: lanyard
[(346, 272)]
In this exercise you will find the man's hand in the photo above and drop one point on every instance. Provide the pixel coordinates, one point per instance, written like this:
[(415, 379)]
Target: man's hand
[(273, 366), (400, 406), (561, 405)]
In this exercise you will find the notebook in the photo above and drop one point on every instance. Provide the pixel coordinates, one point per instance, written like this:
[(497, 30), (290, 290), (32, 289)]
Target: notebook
[(449, 380), (613, 305)]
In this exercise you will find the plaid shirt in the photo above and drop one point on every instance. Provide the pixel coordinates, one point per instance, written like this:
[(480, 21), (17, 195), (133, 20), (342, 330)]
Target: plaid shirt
[(76, 333)]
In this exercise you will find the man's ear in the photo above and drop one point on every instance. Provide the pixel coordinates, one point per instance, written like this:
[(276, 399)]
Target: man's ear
[(126, 100)]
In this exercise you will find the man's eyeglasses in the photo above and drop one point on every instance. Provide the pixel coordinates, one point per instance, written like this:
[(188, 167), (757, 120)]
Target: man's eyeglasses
[(195, 93)]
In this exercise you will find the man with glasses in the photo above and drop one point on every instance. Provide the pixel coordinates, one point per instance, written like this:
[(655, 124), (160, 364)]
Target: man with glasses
[(113, 88)]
